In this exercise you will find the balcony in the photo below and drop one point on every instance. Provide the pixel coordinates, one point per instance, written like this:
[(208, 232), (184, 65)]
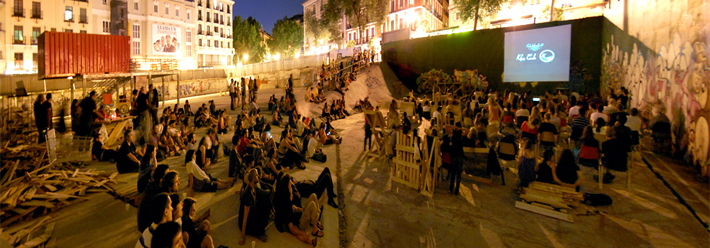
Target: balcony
[(199, 18), (20, 41), (209, 33), (199, 32), (221, 22), (83, 1), (221, 35), (208, 4), (208, 19), (69, 20), (229, 36), (83, 20), (199, 3), (33, 41), (36, 14), (17, 12)]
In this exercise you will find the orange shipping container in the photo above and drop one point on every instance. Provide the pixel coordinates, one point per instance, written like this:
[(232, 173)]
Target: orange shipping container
[(68, 54)]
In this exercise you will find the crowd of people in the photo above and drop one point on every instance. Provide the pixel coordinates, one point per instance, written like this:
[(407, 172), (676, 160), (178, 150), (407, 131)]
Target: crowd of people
[(590, 131)]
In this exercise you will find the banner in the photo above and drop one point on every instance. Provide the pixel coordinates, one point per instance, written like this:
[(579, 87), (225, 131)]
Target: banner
[(166, 40)]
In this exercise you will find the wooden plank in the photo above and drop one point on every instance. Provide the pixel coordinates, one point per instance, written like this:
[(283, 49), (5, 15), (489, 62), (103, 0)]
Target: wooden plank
[(9, 174), (546, 200), (45, 204), (40, 239), (16, 217), (544, 211)]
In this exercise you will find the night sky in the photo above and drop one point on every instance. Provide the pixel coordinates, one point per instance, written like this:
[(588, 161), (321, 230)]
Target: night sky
[(266, 12)]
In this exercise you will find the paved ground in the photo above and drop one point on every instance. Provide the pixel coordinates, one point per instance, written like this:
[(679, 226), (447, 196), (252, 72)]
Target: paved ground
[(382, 213)]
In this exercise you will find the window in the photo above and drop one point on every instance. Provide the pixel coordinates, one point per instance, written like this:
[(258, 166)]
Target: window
[(19, 60), (136, 47), (155, 6), (105, 2), (188, 43), (18, 9), (135, 5), (216, 29), (19, 38), (34, 61), (177, 11), (350, 36), (199, 42), (216, 18), (216, 43), (82, 31), (35, 33), (391, 25), (136, 39), (82, 16), (199, 29), (221, 8), (167, 8), (106, 27), (188, 14), (321, 5), (37, 10), (136, 31), (392, 6), (66, 30), (69, 14)]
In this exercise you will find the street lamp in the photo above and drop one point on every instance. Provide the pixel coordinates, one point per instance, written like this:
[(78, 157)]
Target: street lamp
[(246, 57)]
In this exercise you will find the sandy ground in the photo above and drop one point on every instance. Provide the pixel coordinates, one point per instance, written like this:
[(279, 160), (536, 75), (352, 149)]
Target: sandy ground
[(380, 213)]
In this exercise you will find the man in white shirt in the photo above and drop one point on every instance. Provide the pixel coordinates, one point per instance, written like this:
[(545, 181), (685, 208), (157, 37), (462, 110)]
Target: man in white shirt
[(301, 125), (598, 114), (574, 110), (633, 121), (611, 108), (437, 113)]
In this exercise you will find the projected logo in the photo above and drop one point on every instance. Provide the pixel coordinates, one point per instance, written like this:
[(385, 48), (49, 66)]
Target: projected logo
[(546, 56)]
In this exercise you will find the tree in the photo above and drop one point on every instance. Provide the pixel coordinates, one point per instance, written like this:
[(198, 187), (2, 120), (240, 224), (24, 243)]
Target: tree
[(315, 28), (358, 12), (545, 14), (247, 40), (476, 9), (288, 38)]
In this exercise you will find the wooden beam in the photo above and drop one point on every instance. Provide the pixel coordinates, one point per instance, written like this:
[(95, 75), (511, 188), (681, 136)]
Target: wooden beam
[(544, 211)]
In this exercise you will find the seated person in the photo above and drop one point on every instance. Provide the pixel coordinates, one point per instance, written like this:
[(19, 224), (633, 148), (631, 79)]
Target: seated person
[(161, 211), (289, 155), (544, 170), (322, 184), (254, 208), (567, 172), (102, 153), (325, 137), (128, 157), (200, 181), (292, 218), (202, 160), (276, 118), (195, 229), (166, 235), (151, 190), (148, 164)]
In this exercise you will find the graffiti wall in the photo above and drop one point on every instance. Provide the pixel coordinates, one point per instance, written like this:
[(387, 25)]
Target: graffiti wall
[(670, 75)]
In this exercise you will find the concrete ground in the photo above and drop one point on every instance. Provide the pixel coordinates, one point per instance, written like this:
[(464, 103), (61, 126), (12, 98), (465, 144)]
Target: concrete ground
[(381, 213)]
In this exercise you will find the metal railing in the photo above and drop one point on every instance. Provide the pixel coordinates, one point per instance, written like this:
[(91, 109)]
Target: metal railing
[(18, 12), (153, 64), (83, 19), (199, 3), (33, 41), (209, 33), (199, 32), (36, 14), (208, 19), (69, 20), (20, 41)]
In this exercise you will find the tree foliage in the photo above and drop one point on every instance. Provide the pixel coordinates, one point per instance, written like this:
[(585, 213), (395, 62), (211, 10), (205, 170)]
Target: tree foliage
[(358, 12), (468, 9), (287, 38), (247, 40), (315, 28), (545, 14)]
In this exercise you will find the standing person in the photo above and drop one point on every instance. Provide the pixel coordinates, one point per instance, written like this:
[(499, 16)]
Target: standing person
[(527, 165), (458, 158), (49, 110), (144, 113), (88, 114), (232, 93), (154, 102), (40, 118), (244, 93)]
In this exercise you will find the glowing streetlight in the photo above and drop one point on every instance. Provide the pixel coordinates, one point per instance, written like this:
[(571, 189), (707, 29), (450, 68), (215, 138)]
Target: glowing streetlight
[(246, 57), (277, 56)]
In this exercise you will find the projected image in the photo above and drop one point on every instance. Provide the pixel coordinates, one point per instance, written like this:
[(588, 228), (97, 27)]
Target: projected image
[(538, 54)]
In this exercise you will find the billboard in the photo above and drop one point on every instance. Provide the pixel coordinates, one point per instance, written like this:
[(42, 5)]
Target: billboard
[(166, 40)]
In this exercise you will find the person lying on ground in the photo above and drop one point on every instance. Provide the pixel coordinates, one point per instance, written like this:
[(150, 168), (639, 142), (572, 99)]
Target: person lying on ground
[(293, 219)]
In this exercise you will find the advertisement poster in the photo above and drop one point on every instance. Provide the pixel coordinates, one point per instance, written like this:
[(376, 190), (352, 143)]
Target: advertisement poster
[(166, 40)]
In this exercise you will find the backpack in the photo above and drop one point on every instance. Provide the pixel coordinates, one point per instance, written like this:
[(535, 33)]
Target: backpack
[(320, 157), (596, 199)]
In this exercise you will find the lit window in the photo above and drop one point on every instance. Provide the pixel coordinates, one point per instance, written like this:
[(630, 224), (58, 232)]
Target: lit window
[(69, 14)]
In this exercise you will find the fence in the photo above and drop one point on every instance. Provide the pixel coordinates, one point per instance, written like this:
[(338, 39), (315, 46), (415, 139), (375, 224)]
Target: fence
[(280, 65)]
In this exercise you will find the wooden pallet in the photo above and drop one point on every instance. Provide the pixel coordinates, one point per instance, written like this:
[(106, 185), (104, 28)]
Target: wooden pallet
[(430, 174), (541, 209), (406, 169), (550, 200)]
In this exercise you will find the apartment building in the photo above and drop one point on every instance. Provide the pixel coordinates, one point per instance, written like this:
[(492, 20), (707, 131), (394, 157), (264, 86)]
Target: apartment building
[(22, 22), (214, 33), (417, 15), (162, 31)]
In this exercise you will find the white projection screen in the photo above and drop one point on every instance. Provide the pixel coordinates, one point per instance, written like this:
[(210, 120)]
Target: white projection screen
[(538, 55)]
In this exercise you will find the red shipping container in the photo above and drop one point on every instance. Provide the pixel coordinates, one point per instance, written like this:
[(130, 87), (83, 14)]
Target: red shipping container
[(68, 54)]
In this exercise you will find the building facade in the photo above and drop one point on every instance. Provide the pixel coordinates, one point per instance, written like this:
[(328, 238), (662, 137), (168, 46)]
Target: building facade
[(214, 33), (162, 31), (417, 15), (23, 21)]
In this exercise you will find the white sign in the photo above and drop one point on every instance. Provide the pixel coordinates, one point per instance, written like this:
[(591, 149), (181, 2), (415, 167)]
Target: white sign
[(166, 40)]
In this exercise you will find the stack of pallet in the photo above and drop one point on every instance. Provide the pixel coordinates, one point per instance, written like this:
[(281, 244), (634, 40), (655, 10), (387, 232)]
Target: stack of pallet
[(34, 187), (551, 200), (36, 233)]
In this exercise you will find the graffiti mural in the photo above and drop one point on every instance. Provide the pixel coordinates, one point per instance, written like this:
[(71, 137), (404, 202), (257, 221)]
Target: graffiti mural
[(675, 79)]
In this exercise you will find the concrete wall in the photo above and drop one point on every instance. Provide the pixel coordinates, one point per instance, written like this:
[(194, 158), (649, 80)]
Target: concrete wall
[(660, 51)]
